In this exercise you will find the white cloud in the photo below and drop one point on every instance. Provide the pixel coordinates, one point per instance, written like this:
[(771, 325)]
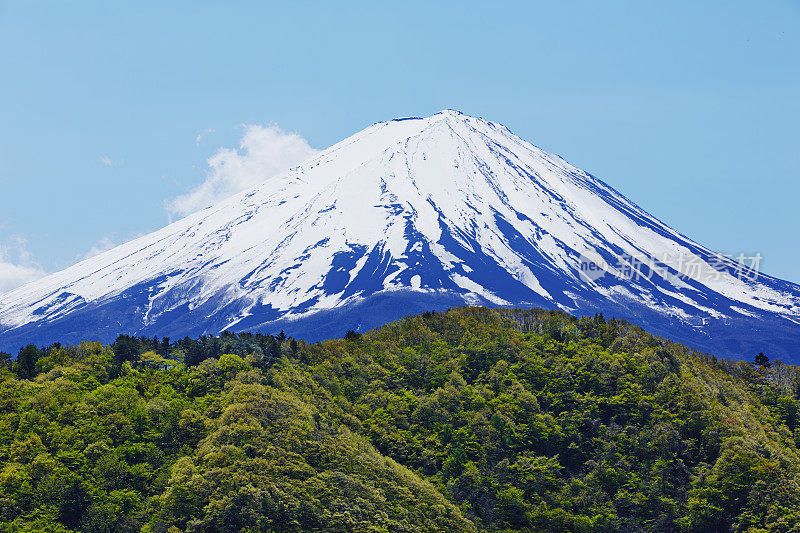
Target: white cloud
[(106, 161), (263, 152), (103, 245), (17, 266)]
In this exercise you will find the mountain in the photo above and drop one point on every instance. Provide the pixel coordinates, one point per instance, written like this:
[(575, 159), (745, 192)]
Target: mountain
[(408, 215)]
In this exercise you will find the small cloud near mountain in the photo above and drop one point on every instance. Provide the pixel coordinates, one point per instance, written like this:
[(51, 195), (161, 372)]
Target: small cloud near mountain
[(103, 245), (17, 266), (263, 152)]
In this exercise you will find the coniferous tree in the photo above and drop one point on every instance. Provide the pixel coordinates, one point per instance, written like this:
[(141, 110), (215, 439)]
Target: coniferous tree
[(216, 348), (274, 350), (352, 335), (126, 348), (762, 361), (165, 347), (26, 362), (193, 352)]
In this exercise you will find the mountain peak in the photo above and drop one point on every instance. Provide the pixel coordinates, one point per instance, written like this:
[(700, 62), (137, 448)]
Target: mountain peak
[(454, 113), (446, 116)]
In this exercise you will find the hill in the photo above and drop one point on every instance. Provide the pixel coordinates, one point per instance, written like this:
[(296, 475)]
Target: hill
[(467, 420)]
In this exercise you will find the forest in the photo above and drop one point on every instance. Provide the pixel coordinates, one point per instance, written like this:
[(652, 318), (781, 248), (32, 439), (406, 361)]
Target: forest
[(472, 419)]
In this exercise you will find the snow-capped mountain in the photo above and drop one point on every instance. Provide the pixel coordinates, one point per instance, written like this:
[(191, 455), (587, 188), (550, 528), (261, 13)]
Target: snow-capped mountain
[(408, 215)]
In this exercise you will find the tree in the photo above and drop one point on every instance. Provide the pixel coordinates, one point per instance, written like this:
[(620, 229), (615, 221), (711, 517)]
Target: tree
[(126, 348), (165, 347), (352, 336), (762, 361), (26, 362), (274, 350), (193, 353), (73, 502), (216, 348)]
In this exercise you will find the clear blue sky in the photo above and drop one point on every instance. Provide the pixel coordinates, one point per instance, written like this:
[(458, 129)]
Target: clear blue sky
[(691, 109)]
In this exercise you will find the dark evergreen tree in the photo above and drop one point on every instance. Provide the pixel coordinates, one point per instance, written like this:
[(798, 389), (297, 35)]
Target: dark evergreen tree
[(26, 362), (126, 348), (193, 352), (762, 361), (165, 347), (215, 348), (274, 350), (352, 336)]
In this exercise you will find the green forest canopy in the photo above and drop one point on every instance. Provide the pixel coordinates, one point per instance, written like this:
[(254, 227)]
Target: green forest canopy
[(468, 420)]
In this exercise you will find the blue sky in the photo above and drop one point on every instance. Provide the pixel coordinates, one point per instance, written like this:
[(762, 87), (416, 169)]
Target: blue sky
[(109, 111)]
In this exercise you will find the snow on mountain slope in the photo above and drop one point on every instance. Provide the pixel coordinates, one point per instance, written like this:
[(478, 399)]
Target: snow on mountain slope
[(443, 209)]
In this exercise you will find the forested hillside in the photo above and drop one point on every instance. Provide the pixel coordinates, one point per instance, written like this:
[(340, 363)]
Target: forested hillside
[(468, 420)]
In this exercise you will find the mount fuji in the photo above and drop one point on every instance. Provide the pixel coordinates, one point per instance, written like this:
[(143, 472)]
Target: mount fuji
[(408, 215)]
